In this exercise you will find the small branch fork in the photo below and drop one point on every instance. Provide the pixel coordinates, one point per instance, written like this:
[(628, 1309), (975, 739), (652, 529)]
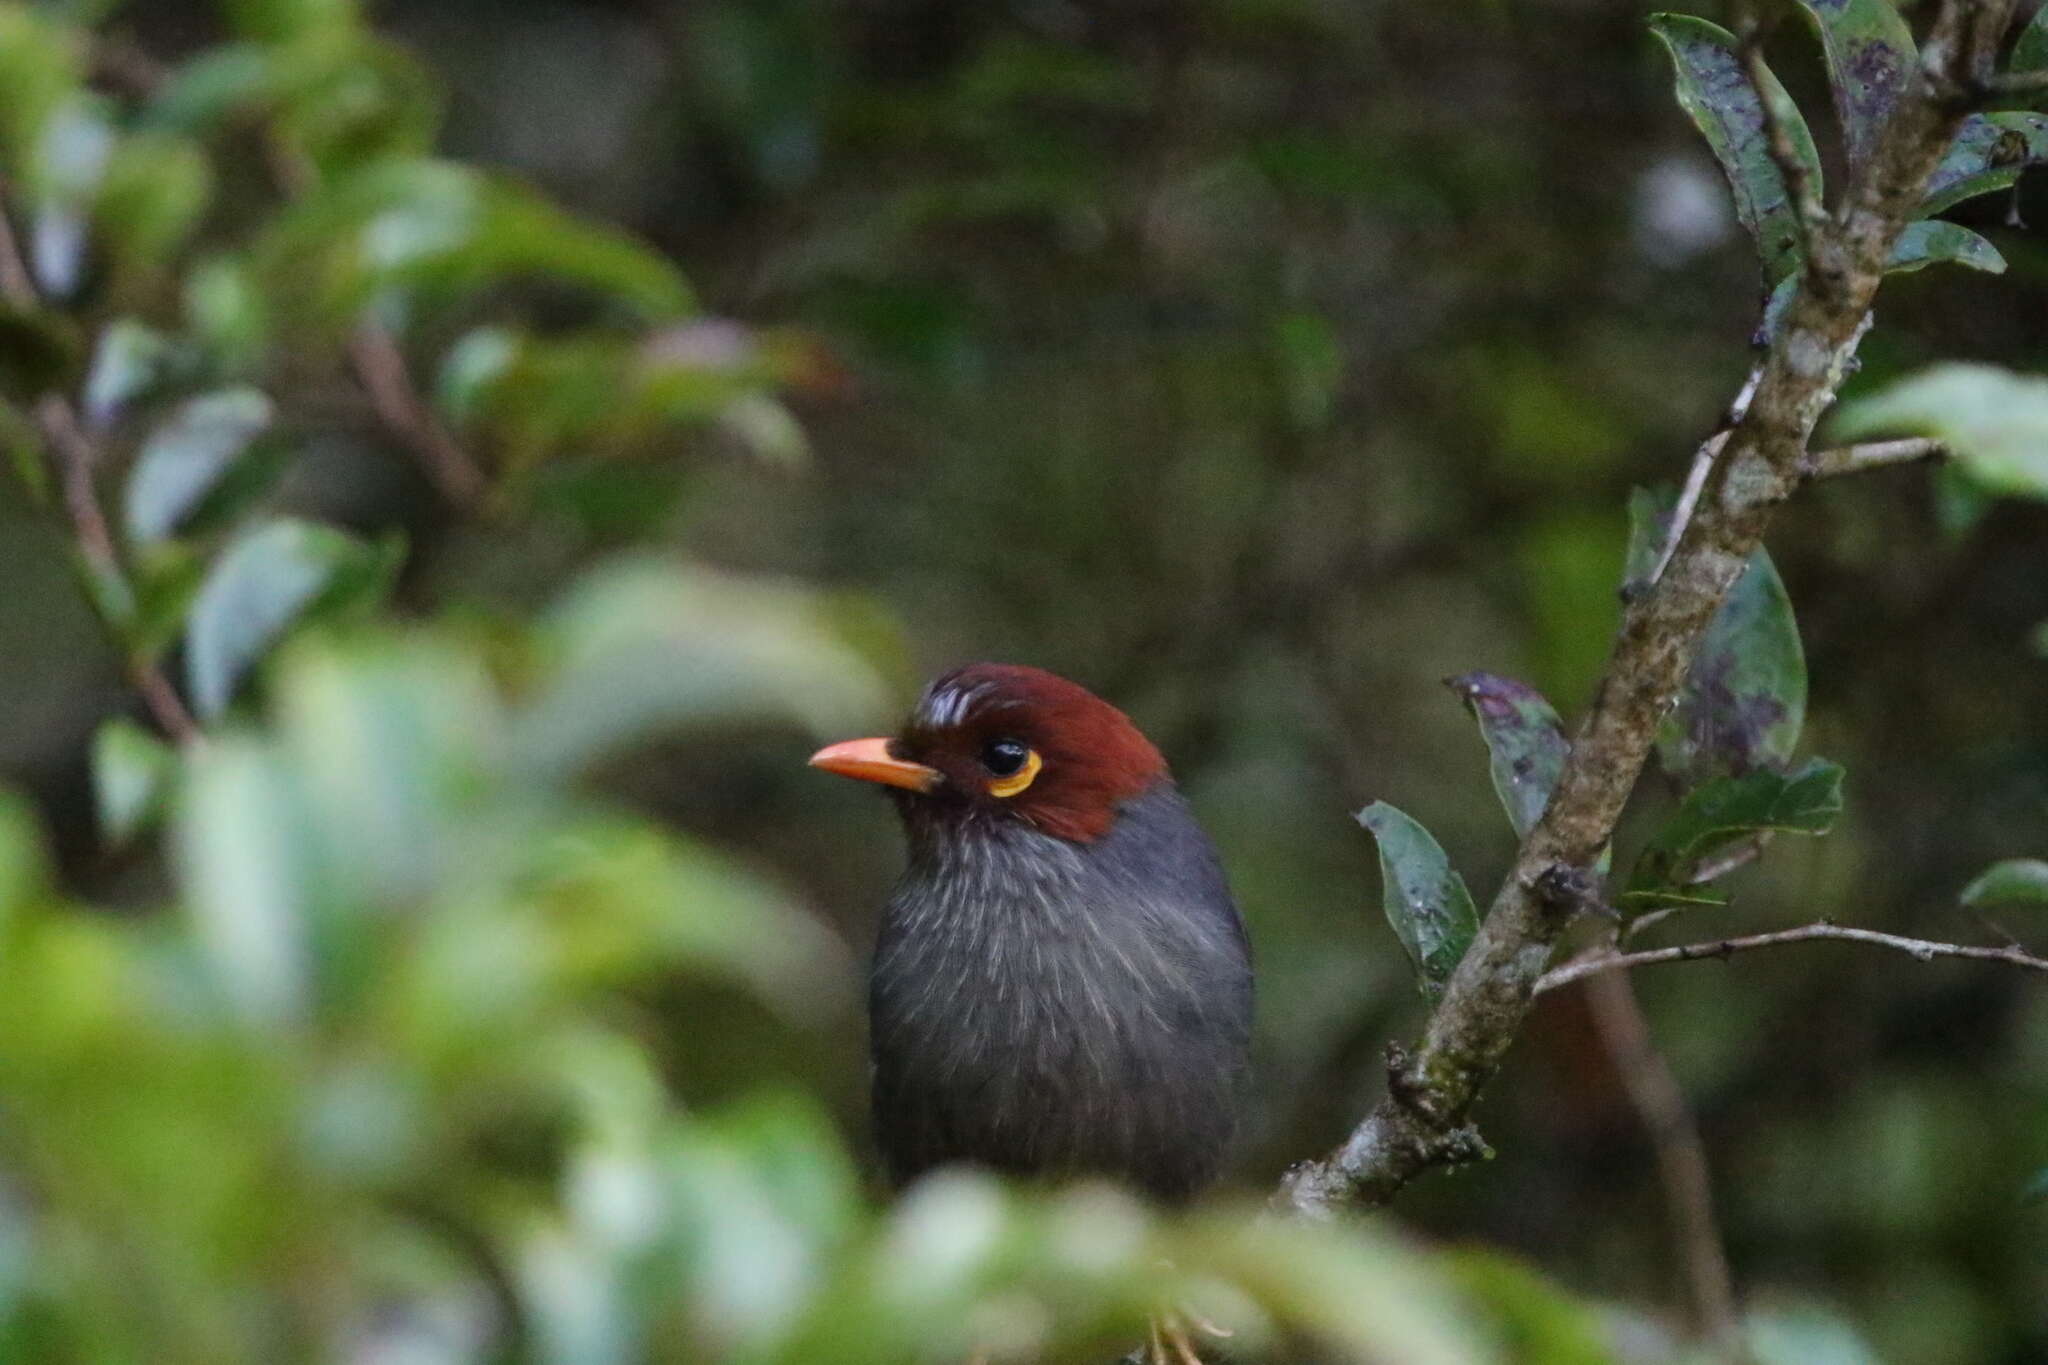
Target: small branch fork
[(1920, 949), (1762, 460)]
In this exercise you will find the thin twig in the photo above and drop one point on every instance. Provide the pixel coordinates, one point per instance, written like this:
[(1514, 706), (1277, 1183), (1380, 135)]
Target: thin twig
[(1920, 949), (381, 366), (1735, 856), (1826, 464), (16, 285), (2014, 85), (1681, 1158), (1807, 210), (1702, 467), (76, 458)]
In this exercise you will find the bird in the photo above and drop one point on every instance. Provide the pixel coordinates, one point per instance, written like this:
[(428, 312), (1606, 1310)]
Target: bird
[(1061, 984)]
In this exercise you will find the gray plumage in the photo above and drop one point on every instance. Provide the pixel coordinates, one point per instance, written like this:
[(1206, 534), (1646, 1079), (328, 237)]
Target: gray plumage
[(1050, 1007)]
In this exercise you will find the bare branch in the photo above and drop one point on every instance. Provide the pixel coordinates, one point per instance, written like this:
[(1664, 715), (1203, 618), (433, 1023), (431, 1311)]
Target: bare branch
[(1921, 949), (1759, 467), (1826, 464)]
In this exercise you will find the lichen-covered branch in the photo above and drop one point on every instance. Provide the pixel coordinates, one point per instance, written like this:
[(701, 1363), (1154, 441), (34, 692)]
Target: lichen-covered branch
[(1424, 1120)]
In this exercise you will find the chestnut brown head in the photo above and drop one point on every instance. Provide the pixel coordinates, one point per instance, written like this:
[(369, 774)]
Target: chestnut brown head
[(1005, 741)]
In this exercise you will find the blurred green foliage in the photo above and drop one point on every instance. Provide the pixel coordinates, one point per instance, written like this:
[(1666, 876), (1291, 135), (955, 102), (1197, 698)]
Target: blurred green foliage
[(478, 987)]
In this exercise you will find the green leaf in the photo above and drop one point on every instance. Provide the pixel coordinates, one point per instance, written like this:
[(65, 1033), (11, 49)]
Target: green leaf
[(248, 867), (389, 743), (40, 70), (166, 575), (185, 457), (225, 311), (2030, 50), (131, 772), (1714, 89), (1744, 701), (1425, 899), (1524, 737), (1988, 154), (1930, 241), (346, 104), (767, 429), (446, 230), (218, 83), (24, 861), (2015, 879), (40, 352), (1309, 355), (263, 582), (155, 189), (1722, 811), (2036, 1189), (471, 367), (126, 364), (647, 645), (1805, 1334), (280, 21), (1534, 1320), (1993, 422), (616, 893), (1870, 56)]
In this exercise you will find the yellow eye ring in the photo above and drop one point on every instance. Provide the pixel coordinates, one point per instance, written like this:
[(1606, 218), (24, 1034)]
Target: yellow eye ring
[(1019, 780)]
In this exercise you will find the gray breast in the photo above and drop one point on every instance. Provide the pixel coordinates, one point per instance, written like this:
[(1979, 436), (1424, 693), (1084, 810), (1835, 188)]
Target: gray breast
[(1050, 1008)]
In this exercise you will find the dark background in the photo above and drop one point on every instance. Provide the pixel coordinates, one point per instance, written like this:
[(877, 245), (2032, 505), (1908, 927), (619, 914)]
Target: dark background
[(1259, 363)]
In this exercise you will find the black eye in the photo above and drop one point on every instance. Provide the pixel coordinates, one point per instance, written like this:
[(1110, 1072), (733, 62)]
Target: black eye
[(1003, 757)]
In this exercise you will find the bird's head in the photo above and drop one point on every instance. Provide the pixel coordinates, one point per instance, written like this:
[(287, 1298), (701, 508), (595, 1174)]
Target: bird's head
[(995, 742)]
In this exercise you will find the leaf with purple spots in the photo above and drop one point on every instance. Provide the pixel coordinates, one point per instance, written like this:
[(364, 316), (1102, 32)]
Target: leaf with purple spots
[(1524, 737), (1744, 700), (1715, 90), (1870, 58)]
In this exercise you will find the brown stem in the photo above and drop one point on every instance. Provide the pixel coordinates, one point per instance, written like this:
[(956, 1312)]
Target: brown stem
[(381, 366), (1660, 1102), (76, 458), (1488, 996)]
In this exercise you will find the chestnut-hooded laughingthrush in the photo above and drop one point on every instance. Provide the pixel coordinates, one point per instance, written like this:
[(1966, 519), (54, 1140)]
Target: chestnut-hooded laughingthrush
[(1061, 985)]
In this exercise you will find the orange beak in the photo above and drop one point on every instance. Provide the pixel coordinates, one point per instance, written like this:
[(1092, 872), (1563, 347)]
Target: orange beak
[(870, 761)]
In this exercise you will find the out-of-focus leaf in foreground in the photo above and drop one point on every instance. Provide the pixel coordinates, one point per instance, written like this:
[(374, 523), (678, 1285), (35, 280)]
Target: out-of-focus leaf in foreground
[(1993, 422), (650, 644), (2016, 880)]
